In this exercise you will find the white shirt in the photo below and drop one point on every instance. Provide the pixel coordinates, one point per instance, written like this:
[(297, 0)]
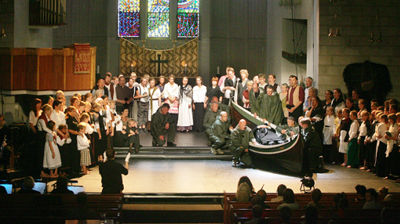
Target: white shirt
[(380, 130), (32, 118), (61, 142), (393, 129), (363, 130), (353, 132), (117, 123), (83, 142), (171, 90), (58, 118), (42, 125), (199, 94), (143, 90)]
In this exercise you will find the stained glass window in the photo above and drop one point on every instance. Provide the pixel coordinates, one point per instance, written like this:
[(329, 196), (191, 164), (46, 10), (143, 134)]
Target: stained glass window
[(188, 18), (128, 18), (158, 18)]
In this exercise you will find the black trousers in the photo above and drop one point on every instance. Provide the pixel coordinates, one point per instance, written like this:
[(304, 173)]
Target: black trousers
[(363, 150), (297, 113), (371, 149), (198, 117), (381, 161), (172, 128), (100, 144)]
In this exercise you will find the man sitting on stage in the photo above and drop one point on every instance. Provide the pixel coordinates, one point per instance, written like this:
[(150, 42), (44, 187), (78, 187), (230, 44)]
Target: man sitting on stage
[(219, 134), (312, 147), (241, 136), (290, 129), (160, 126)]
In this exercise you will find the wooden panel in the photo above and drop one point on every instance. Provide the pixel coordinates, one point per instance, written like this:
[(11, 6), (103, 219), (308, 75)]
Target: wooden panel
[(24, 72), (46, 78), (5, 72), (76, 81)]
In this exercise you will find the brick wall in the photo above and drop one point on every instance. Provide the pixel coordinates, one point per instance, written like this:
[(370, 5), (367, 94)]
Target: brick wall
[(357, 19)]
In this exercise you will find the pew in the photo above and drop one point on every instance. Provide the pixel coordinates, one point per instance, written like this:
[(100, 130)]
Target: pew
[(58, 208)]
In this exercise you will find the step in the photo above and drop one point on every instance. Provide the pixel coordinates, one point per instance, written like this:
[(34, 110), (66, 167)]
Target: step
[(169, 149), (197, 156)]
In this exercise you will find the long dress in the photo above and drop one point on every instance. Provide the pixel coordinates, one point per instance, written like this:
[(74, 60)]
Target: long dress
[(48, 161), (352, 152), (155, 94), (185, 117)]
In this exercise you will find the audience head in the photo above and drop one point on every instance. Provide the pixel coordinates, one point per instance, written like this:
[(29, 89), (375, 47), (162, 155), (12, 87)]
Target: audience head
[(360, 189), (257, 211), (288, 196), (286, 214), (281, 189), (262, 194), (371, 195), (62, 183), (383, 191), (316, 195), (341, 201), (28, 183), (245, 179), (311, 215)]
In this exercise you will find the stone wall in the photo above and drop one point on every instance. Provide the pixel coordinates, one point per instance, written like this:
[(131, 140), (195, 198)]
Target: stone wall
[(357, 19)]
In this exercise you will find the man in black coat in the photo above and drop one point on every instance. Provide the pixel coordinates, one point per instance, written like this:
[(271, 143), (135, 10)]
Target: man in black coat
[(312, 147), (111, 174)]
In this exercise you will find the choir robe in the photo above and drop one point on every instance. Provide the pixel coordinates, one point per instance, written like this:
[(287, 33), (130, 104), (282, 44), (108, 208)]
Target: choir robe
[(219, 135), (255, 102), (157, 128), (209, 119)]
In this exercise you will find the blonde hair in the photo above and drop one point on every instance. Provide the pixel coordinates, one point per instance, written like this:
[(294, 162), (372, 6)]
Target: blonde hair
[(81, 126), (244, 71)]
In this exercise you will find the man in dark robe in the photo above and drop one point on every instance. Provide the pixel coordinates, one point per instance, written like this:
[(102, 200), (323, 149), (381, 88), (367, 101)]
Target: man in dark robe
[(241, 137), (160, 123), (111, 172), (312, 147), (219, 134), (271, 107), (255, 100)]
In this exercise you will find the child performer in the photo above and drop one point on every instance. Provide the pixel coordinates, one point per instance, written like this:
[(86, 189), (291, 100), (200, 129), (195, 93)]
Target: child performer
[(83, 147)]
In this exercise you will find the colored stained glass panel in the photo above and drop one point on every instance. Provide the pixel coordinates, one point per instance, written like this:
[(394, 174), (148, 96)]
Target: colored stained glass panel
[(158, 18), (189, 6), (188, 18), (128, 18), (188, 24)]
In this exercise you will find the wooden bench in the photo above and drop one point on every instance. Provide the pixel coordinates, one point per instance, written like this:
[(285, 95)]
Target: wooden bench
[(58, 208)]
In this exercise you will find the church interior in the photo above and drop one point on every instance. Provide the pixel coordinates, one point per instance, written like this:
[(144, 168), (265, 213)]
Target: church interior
[(200, 111)]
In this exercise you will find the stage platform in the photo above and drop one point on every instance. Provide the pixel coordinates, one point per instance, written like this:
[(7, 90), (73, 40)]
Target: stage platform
[(189, 146), (214, 176)]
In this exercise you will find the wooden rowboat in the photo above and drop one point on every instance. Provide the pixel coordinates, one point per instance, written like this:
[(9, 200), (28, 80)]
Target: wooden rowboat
[(272, 150)]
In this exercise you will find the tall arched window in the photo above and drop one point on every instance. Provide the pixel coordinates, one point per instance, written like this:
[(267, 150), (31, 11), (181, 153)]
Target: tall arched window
[(157, 18), (128, 18), (188, 18)]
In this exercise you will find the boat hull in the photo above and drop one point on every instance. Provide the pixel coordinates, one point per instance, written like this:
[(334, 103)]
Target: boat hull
[(283, 158)]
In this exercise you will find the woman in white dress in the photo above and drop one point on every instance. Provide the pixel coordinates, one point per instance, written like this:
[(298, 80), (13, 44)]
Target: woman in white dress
[(51, 158), (185, 117), (154, 97)]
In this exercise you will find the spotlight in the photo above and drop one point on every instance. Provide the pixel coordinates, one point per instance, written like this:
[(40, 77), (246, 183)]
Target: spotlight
[(307, 184)]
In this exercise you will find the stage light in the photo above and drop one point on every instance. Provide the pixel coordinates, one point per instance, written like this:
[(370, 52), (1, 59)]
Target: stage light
[(307, 184)]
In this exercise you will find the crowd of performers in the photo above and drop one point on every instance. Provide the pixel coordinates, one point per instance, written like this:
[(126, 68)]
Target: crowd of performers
[(349, 131)]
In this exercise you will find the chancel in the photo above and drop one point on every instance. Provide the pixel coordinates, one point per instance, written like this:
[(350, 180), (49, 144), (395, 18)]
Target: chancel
[(199, 111)]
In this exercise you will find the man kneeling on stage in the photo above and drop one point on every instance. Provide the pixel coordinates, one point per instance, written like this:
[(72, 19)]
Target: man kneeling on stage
[(160, 122), (241, 136), (219, 134), (312, 147)]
